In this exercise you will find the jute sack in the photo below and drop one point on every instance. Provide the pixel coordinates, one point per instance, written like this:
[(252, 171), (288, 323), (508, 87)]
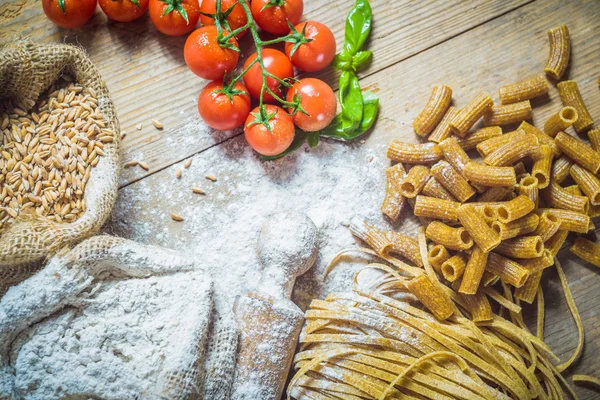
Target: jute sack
[(27, 69)]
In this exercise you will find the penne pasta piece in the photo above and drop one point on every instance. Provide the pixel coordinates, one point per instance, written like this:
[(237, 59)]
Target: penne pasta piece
[(422, 153), (431, 207), (449, 237), (587, 182), (478, 306), (516, 208), (508, 114), (486, 238), (424, 221), (521, 247), (432, 296), (560, 51), (406, 247), (473, 271), (376, 239), (434, 189), (414, 181), (487, 210), (443, 130), (560, 121), (586, 250), (457, 158), (542, 166), (579, 152), (524, 90), (488, 146), (555, 196), (529, 290), (487, 175), (537, 264), (454, 267), (572, 221), (471, 141), (510, 153), (489, 279), (451, 179), (509, 271), (528, 186), (541, 136), (547, 226), (471, 113), (570, 96), (495, 194), (555, 243), (520, 170), (393, 203), (594, 137), (561, 168), (521, 226), (434, 110), (437, 255)]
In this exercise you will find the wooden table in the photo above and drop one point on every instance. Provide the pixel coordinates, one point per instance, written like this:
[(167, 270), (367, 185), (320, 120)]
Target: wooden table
[(469, 45)]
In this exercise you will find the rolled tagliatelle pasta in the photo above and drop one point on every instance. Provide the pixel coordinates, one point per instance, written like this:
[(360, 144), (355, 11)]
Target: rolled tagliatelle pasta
[(471, 113), (560, 121), (560, 51), (434, 110), (506, 114), (524, 90), (570, 96)]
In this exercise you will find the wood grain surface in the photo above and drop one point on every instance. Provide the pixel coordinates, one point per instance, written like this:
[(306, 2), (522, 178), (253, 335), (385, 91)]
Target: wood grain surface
[(471, 46)]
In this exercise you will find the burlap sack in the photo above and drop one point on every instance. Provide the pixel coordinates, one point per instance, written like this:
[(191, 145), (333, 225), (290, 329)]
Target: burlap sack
[(26, 70)]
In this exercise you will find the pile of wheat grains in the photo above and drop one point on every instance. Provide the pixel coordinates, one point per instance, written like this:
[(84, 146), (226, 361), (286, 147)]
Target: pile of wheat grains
[(48, 153)]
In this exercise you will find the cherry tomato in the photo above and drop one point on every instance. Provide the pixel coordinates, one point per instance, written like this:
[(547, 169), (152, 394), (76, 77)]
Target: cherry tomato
[(276, 141), (317, 99), (205, 57), (318, 52), (219, 111), (276, 63), (236, 19), (274, 19), (124, 10), (74, 14), (174, 23)]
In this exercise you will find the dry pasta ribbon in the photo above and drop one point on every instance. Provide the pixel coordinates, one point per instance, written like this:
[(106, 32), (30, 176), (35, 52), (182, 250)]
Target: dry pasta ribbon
[(524, 90), (570, 96), (560, 51), (434, 110)]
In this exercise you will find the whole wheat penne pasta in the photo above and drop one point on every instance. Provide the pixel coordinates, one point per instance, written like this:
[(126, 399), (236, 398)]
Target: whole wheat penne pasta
[(529, 290), (541, 136), (487, 175), (454, 267), (414, 181), (555, 196), (457, 158), (452, 181), (393, 203), (405, 246), (434, 189), (432, 296), (434, 110), (508, 154), (449, 237), (437, 255), (473, 271), (422, 153), (509, 271), (377, 240), (471, 113), (586, 249), (560, 51), (434, 208), (521, 226), (443, 130), (587, 182), (424, 220), (516, 208), (478, 306), (495, 194), (486, 238), (570, 96), (524, 90), (508, 113), (569, 220), (521, 247), (573, 189), (489, 279), (489, 211), (529, 186), (471, 141), (579, 152), (547, 226), (537, 264), (594, 137), (520, 170), (556, 241), (542, 166), (561, 169), (488, 146), (560, 121)]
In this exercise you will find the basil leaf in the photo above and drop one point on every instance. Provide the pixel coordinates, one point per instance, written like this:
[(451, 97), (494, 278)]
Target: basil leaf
[(342, 62), (358, 26), (361, 58), (371, 106), (313, 139), (299, 139), (338, 129), (351, 101)]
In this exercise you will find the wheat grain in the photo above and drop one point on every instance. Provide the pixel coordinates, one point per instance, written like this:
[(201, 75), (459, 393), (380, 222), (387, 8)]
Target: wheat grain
[(197, 190), (130, 164), (157, 124), (187, 164), (176, 217), (144, 165), (178, 173), (211, 178)]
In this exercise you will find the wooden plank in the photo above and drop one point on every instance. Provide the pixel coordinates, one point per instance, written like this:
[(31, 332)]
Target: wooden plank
[(142, 67), (475, 61)]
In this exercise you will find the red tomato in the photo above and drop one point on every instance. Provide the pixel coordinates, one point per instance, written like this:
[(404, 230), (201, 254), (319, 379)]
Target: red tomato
[(317, 99), (276, 63), (219, 111), (318, 52), (174, 24), (76, 12), (205, 57), (274, 19), (276, 141), (236, 19), (123, 10)]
